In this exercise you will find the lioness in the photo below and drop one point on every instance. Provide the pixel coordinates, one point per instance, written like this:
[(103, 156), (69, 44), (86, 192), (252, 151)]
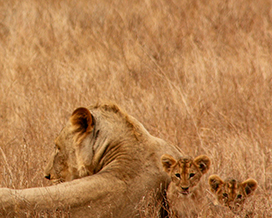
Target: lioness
[(185, 191), (103, 164), (231, 193)]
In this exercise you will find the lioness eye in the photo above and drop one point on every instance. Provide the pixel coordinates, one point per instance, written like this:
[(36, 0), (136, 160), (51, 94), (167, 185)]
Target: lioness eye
[(239, 196), (177, 175), (191, 175), (225, 195)]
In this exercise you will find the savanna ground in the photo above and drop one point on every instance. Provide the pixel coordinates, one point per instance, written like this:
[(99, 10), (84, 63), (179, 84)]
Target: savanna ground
[(196, 73)]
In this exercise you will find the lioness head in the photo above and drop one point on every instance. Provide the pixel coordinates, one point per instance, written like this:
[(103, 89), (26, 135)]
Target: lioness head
[(186, 172), (67, 161), (230, 192)]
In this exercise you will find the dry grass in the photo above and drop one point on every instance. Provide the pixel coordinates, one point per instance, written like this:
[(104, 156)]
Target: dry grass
[(196, 73)]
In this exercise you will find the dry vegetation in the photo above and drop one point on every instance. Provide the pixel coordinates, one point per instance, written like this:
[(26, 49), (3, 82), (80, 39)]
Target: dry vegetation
[(196, 73)]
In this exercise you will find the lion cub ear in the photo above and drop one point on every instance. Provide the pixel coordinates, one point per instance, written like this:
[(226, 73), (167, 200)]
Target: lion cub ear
[(167, 162), (82, 123), (203, 162), (249, 186), (215, 183)]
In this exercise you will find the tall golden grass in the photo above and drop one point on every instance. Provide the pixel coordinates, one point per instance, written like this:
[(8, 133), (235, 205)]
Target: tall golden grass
[(196, 73)]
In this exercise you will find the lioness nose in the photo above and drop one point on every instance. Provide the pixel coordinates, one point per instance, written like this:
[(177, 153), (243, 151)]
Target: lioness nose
[(47, 176)]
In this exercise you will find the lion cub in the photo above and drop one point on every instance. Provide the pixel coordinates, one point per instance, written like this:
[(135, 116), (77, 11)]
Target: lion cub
[(185, 192), (232, 193)]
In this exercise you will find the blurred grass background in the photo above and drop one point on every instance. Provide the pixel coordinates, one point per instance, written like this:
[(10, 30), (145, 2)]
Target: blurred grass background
[(196, 73)]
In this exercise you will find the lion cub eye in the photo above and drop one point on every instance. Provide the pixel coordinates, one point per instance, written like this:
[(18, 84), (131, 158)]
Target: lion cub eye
[(177, 175), (191, 175), (225, 195), (239, 196)]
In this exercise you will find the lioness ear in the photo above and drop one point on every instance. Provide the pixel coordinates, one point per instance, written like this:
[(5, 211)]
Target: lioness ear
[(215, 183), (167, 162), (203, 162), (82, 123), (249, 186)]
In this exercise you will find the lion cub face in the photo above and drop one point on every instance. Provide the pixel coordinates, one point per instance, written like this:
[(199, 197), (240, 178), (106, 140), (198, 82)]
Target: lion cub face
[(185, 173), (232, 193)]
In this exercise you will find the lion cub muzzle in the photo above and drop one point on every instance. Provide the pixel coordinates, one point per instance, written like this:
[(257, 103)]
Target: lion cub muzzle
[(185, 190)]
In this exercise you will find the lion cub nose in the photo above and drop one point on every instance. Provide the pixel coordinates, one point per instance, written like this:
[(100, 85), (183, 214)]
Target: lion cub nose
[(185, 188), (47, 176)]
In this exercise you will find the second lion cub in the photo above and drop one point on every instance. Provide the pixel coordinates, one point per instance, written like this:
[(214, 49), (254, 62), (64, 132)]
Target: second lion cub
[(232, 193), (185, 192)]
